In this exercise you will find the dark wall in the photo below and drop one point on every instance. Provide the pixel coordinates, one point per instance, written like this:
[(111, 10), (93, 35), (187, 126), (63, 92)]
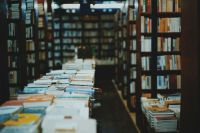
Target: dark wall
[(4, 90), (190, 112)]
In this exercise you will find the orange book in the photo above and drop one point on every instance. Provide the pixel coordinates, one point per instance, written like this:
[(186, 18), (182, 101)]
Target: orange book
[(38, 101), (13, 103), (39, 98)]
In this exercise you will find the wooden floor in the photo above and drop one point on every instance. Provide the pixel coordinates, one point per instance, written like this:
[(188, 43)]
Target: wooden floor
[(112, 117)]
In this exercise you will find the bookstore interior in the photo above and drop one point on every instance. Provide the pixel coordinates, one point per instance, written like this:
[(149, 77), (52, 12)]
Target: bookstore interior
[(99, 66)]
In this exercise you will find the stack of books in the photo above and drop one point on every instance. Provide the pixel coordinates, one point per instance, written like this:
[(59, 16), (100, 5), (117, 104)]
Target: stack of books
[(161, 116)]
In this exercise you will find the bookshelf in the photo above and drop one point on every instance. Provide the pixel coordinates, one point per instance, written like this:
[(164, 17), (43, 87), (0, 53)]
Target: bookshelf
[(42, 32), (71, 32), (107, 46), (16, 45), (91, 34), (31, 48), (132, 54), (49, 35), (57, 47), (4, 86), (120, 51), (124, 46), (159, 54)]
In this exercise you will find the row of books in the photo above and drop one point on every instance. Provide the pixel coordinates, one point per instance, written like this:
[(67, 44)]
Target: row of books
[(56, 34), (31, 58), (169, 5), (41, 22), (145, 44), (12, 61), (133, 73), (169, 62), (41, 34), (69, 33), (13, 77), (133, 58), (145, 62), (133, 44), (165, 62), (107, 17), (72, 25), (162, 117), (168, 44), (106, 61), (163, 82), (12, 29), (132, 30), (12, 46), (169, 24), (14, 10), (56, 24), (146, 6), (146, 82), (31, 72), (74, 40), (30, 45), (131, 14), (29, 32), (146, 24), (107, 40), (29, 4), (61, 100), (91, 25), (169, 82), (132, 87), (107, 25), (91, 33)]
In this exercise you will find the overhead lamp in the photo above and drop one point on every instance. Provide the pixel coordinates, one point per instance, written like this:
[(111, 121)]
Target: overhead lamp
[(70, 6), (54, 5), (107, 6)]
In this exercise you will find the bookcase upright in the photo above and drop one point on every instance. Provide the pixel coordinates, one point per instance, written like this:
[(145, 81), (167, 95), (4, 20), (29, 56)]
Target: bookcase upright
[(159, 56), (31, 47), (16, 45)]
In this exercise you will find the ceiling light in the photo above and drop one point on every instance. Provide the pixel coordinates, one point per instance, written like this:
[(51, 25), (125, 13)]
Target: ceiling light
[(70, 6)]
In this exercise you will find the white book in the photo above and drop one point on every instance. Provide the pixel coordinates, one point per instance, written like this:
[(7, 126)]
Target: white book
[(54, 124)]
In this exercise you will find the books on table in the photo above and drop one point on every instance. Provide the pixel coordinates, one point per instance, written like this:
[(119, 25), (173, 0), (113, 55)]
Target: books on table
[(22, 123)]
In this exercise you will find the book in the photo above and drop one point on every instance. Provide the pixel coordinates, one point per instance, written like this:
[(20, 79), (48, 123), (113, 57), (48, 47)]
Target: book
[(6, 112), (68, 125), (22, 119), (38, 101)]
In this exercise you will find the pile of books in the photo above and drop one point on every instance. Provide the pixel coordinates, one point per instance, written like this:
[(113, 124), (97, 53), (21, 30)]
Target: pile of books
[(60, 101), (161, 115)]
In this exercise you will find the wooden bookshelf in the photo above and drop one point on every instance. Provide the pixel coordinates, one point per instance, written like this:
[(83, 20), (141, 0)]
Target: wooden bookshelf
[(71, 35), (49, 36), (16, 45), (42, 36), (132, 55), (159, 56), (57, 46), (31, 37)]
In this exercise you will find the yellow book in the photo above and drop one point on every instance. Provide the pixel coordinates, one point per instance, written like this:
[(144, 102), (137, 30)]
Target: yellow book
[(22, 119)]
